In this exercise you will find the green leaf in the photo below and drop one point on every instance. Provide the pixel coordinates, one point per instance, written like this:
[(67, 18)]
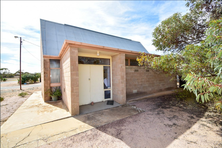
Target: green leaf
[(202, 98)]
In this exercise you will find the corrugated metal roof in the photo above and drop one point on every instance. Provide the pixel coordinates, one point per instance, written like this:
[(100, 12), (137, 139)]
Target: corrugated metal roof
[(53, 36)]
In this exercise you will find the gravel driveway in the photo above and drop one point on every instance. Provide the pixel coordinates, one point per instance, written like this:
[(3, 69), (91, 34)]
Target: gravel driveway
[(165, 122)]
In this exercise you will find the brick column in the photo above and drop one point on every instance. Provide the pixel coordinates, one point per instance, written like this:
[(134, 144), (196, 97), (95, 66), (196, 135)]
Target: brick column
[(70, 80), (119, 78), (74, 73), (46, 79)]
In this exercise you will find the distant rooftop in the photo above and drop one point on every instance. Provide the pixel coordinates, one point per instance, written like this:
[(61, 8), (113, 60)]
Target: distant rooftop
[(54, 34)]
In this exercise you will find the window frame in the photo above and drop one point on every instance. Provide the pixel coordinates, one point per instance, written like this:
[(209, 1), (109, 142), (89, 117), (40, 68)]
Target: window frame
[(55, 84)]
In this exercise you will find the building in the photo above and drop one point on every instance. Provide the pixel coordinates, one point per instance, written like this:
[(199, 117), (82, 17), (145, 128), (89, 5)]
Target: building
[(90, 66)]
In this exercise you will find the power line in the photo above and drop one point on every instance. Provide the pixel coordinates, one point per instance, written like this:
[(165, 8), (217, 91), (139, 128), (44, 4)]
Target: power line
[(31, 42), (30, 53)]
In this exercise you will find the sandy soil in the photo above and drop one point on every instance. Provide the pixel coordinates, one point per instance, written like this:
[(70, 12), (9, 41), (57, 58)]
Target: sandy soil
[(165, 122), (13, 83), (12, 101), (9, 83)]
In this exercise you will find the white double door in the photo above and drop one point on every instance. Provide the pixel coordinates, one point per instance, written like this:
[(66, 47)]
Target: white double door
[(90, 84)]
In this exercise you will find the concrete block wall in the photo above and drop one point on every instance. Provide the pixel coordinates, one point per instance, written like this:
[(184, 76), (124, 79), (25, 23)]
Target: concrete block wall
[(65, 79), (119, 78), (147, 81), (70, 80)]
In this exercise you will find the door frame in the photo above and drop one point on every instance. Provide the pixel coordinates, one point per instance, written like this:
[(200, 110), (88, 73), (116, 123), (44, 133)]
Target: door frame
[(105, 57)]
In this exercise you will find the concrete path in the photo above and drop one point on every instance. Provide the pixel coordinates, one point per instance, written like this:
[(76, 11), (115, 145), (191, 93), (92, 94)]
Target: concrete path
[(85, 109), (36, 123), (34, 111)]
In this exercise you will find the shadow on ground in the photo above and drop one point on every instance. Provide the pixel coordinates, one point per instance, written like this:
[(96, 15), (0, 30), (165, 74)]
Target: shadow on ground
[(164, 122), (60, 104)]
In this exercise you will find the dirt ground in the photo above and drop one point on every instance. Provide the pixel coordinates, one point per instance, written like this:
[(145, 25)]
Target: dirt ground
[(164, 122), (12, 101), (11, 82)]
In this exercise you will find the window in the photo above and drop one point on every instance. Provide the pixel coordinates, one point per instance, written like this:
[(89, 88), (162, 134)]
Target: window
[(97, 61), (107, 82), (133, 62), (106, 77), (107, 94), (126, 62), (55, 75), (55, 71), (54, 63)]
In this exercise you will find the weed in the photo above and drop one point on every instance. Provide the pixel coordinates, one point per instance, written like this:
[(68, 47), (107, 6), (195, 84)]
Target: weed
[(1, 99), (184, 95), (22, 94)]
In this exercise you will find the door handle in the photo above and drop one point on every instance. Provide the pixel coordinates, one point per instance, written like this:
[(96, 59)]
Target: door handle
[(89, 78)]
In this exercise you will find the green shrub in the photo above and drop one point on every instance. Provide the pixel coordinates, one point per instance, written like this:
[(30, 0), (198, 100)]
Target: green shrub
[(31, 82), (1, 99), (3, 79), (218, 105), (22, 94), (8, 75), (54, 92), (184, 95), (34, 77), (26, 77)]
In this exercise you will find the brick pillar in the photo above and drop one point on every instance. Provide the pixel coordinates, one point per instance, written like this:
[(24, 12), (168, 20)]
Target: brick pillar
[(119, 78), (46, 79), (74, 73), (70, 80)]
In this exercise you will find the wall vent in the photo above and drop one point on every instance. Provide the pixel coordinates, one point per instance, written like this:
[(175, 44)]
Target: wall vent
[(134, 91)]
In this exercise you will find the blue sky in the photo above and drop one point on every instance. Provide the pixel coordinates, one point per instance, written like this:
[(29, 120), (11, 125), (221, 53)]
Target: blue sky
[(135, 20)]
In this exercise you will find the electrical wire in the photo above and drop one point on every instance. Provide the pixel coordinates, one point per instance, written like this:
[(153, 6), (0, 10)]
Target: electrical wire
[(30, 52), (31, 42)]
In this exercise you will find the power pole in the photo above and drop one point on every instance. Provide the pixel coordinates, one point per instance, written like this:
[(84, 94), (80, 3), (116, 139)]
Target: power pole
[(20, 63), (20, 80)]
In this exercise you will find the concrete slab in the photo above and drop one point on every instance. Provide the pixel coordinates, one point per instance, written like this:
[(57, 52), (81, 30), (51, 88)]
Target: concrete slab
[(35, 111), (96, 107), (52, 131)]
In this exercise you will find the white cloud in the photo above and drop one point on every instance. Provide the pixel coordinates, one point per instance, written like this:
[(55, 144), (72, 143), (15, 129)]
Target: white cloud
[(169, 8), (22, 18)]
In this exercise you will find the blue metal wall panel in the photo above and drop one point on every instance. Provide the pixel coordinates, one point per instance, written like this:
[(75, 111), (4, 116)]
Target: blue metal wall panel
[(54, 34)]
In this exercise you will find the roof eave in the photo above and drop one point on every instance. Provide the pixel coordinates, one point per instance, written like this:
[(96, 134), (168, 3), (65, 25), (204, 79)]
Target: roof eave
[(69, 43), (95, 47)]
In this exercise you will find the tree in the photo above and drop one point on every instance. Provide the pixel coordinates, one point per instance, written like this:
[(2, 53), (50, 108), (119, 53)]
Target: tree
[(17, 73), (5, 73), (212, 8), (176, 32), (200, 65)]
